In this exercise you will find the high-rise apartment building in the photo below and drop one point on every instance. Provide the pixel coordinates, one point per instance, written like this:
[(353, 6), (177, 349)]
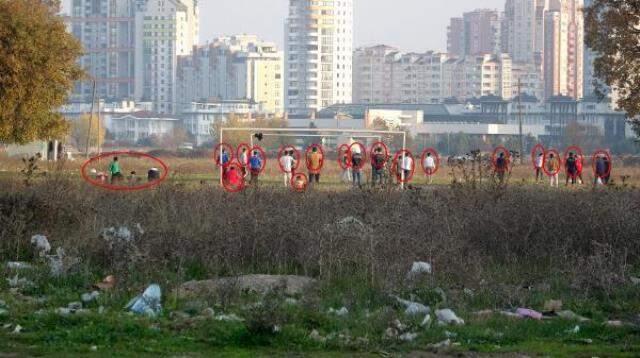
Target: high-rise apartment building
[(564, 49), (382, 74), (523, 27), (478, 76), (165, 29), (319, 52), (475, 33), (588, 72), (233, 68), (106, 30)]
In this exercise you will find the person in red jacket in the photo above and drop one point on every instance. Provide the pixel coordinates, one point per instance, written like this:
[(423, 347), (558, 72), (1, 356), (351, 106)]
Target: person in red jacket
[(579, 168)]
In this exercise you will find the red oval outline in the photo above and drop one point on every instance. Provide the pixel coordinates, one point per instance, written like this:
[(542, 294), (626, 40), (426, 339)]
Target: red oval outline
[(535, 152), (293, 180), (112, 187), (363, 152), (306, 157), (394, 165), (546, 157), (377, 145), (424, 156), (243, 181), (593, 162), (494, 159), (347, 151), (263, 154), (296, 157), (216, 157)]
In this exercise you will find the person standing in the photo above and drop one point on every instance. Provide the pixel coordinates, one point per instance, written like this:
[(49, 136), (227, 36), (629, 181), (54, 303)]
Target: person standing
[(287, 164), (553, 168), (429, 167), (501, 167), (356, 167), (601, 171), (346, 168), (579, 167), (114, 171), (607, 170), (377, 166), (538, 165), (255, 166), (572, 169), (244, 162), (314, 161), (406, 167)]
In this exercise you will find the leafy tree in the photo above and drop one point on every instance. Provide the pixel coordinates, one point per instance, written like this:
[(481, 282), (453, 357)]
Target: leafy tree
[(612, 30), (37, 70), (80, 131)]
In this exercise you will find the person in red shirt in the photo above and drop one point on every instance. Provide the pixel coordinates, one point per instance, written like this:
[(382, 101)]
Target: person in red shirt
[(579, 168)]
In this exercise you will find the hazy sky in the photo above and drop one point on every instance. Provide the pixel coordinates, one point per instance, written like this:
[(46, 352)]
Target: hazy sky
[(416, 25)]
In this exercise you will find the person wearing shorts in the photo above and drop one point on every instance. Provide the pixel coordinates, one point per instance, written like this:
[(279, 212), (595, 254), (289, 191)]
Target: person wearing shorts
[(429, 167)]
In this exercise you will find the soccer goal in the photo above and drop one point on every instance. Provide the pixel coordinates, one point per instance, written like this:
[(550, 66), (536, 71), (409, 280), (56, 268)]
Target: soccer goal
[(300, 133)]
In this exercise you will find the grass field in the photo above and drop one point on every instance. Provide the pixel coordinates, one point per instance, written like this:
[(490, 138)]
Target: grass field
[(493, 248)]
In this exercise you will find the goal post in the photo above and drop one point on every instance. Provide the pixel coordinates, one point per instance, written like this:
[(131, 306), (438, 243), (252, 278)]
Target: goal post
[(318, 132)]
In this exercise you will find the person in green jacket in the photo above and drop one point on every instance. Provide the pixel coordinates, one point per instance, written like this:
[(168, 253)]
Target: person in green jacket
[(114, 170)]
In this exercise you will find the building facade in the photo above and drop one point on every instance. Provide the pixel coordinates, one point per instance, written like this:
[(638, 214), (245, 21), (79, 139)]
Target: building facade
[(319, 51), (477, 33), (107, 33), (165, 29), (233, 68)]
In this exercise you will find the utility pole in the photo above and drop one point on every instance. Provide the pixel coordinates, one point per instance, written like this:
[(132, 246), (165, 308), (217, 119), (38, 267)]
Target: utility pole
[(93, 102), (520, 122)]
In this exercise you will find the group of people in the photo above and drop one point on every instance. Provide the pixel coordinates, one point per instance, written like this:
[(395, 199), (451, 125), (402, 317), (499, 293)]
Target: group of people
[(235, 176), (114, 175), (574, 166)]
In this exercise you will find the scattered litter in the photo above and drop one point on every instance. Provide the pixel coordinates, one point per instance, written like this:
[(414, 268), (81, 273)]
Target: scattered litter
[(574, 330), (552, 306), (120, 234), (635, 280), (450, 334), (149, 303), (420, 267), (340, 313), (528, 313), (443, 344), (60, 263), (229, 318), (74, 306), (510, 314), (408, 337), (614, 323), (7, 326), (413, 308), (291, 301), (276, 329), (391, 332), (41, 244), (570, 315), (483, 313), (447, 316), (108, 283), (18, 265), (469, 292), (94, 348), (208, 312), (101, 310), (426, 322), (17, 329), (443, 295), (19, 282), (399, 326), (315, 336), (90, 297), (585, 340)]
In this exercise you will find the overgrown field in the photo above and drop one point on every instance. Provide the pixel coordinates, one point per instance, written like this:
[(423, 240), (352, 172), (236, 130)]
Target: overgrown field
[(489, 249)]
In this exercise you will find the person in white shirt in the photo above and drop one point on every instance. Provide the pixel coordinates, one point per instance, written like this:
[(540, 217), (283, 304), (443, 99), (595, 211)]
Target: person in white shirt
[(429, 167), (406, 166), (244, 161), (286, 161), (538, 165)]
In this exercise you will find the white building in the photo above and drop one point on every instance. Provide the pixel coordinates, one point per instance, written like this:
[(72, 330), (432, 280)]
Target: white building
[(477, 76), (523, 30), (198, 119), (319, 45), (233, 68), (134, 127), (165, 29)]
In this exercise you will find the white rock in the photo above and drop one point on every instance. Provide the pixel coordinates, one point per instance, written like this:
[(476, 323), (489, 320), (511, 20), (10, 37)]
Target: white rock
[(41, 244), (408, 337), (340, 313), (447, 316), (419, 267)]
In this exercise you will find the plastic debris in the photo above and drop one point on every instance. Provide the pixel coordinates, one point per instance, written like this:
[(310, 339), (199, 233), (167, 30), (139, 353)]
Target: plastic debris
[(635, 280), (315, 335), (469, 292), (149, 303), (443, 344), (229, 318), (528, 313), (408, 337), (74, 306), (19, 282), (420, 267), (614, 323), (391, 332), (413, 308), (426, 322), (574, 330), (17, 329), (90, 297), (19, 265), (41, 244), (447, 316), (570, 315), (108, 283), (340, 313)]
